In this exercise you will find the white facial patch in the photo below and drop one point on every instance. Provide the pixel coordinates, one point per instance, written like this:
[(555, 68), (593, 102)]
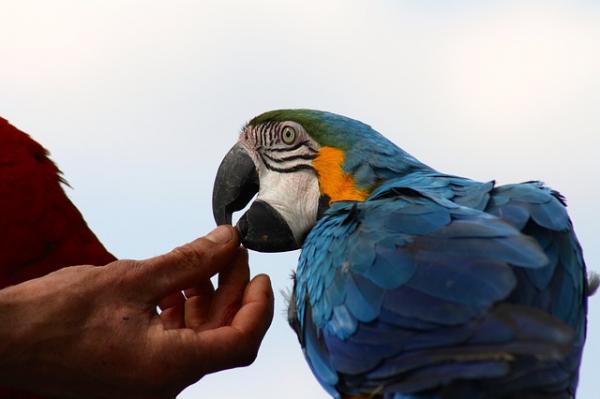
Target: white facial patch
[(295, 196), (287, 181)]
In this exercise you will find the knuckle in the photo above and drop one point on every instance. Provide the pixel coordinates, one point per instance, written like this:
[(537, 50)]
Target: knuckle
[(125, 265), (190, 256), (120, 274), (129, 270)]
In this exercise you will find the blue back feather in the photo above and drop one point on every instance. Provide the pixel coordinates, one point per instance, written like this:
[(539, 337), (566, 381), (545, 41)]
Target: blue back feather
[(437, 286), (428, 284)]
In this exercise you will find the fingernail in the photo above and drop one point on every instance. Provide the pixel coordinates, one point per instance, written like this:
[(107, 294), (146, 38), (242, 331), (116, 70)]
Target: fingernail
[(220, 235)]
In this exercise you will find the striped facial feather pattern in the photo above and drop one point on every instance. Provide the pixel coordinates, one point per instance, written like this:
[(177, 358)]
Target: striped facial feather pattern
[(283, 147), (283, 154)]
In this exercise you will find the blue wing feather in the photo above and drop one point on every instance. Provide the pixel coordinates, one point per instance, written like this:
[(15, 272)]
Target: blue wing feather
[(437, 279), (470, 281), (363, 297), (391, 267), (424, 307)]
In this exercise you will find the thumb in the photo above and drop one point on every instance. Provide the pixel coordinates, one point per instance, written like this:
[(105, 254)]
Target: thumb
[(190, 264)]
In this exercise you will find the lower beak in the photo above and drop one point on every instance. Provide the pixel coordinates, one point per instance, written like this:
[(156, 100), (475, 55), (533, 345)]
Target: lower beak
[(261, 228)]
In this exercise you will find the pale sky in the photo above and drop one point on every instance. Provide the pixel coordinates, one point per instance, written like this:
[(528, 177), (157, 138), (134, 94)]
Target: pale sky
[(138, 101)]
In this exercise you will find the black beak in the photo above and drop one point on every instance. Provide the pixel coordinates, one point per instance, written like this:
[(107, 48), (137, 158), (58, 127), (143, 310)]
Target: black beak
[(261, 228), (235, 184)]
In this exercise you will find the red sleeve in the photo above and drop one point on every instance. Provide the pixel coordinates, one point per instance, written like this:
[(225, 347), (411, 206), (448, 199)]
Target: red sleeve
[(40, 228)]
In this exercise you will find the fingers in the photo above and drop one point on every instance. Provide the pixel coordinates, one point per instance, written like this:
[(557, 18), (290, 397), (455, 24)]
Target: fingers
[(188, 265), (207, 309), (172, 314), (232, 286), (236, 278), (204, 289), (229, 295), (198, 305), (256, 313), (225, 347), (237, 345), (172, 300)]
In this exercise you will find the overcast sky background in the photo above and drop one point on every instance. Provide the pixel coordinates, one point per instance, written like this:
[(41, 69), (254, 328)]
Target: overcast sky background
[(138, 101)]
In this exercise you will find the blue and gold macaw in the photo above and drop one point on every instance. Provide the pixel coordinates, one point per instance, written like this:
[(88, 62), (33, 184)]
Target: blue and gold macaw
[(411, 283)]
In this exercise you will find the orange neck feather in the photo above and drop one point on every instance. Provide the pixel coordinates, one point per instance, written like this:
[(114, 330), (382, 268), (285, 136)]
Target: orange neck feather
[(334, 182)]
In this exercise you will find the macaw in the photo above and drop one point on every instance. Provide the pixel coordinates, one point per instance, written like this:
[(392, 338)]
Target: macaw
[(411, 283), (40, 229)]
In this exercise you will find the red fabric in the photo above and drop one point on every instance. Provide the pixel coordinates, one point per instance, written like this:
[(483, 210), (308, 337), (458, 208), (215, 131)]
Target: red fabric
[(40, 229)]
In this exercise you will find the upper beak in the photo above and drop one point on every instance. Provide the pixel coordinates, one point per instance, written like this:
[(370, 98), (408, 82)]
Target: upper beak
[(261, 228), (235, 184)]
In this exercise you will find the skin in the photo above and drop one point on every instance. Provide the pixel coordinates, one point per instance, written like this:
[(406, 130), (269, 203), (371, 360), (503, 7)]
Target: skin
[(88, 331)]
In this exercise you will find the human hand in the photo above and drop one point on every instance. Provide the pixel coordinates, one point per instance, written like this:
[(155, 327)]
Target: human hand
[(87, 331)]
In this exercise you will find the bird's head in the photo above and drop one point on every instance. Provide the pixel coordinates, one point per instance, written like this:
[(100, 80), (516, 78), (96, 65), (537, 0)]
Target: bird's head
[(299, 162)]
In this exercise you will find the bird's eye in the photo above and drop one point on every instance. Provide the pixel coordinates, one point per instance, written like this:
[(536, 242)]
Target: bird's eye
[(288, 135)]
